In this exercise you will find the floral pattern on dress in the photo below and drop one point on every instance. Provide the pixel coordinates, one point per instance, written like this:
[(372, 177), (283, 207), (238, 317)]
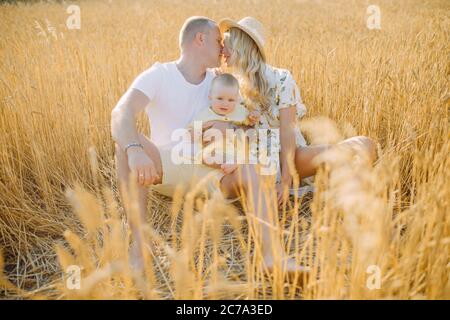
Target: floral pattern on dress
[(284, 93)]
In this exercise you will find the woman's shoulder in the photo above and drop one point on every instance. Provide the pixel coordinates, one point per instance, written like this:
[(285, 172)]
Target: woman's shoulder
[(277, 75)]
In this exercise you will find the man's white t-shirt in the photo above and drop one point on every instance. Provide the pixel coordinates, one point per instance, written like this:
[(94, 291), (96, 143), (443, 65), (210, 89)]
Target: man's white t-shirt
[(173, 100)]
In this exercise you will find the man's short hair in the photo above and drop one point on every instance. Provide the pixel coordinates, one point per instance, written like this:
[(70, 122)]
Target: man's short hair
[(193, 25), (226, 79)]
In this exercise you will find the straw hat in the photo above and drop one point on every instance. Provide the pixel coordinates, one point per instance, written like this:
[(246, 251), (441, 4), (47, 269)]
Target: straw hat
[(250, 26)]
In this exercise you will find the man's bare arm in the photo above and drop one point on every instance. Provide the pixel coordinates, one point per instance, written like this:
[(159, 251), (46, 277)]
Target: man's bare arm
[(123, 117), (124, 132)]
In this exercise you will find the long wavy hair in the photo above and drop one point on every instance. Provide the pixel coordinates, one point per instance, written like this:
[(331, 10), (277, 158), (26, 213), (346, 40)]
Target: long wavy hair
[(247, 62)]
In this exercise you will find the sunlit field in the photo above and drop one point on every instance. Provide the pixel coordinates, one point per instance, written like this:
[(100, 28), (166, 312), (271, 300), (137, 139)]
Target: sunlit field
[(367, 232)]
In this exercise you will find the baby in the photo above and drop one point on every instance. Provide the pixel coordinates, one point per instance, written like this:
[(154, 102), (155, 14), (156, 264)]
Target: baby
[(225, 106)]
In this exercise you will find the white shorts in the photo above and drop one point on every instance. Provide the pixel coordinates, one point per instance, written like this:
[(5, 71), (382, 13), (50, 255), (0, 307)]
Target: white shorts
[(204, 179)]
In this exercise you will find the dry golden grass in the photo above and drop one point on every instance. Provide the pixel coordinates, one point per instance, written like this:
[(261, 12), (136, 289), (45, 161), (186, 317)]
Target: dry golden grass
[(58, 87)]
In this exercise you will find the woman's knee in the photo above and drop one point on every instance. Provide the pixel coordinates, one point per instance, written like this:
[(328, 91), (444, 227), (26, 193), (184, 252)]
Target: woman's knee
[(305, 163), (247, 175), (239, 181), (368, 144)]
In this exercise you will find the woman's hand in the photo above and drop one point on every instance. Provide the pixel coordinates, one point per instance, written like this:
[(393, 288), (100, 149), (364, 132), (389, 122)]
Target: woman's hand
[(253, 117), (217, 71), (283, 189)]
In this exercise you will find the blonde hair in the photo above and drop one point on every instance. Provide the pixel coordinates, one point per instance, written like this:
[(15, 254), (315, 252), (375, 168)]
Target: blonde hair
[(226, 79), (246, 60)]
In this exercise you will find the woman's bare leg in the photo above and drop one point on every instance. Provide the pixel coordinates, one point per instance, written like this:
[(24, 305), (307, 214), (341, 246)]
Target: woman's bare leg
[(246, 181), (304, 156)]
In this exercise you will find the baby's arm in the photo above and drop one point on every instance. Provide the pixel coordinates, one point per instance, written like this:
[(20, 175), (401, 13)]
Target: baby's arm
[(209, 154)]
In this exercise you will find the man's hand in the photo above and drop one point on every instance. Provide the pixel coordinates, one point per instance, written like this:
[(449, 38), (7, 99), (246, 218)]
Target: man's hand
[(218, 125), (205, 126), (142, 167)]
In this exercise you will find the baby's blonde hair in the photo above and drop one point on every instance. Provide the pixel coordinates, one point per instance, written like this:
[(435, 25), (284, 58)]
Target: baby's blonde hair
[(226, 79)]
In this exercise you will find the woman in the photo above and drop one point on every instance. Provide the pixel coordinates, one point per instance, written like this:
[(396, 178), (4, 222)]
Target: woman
[(274, 93)]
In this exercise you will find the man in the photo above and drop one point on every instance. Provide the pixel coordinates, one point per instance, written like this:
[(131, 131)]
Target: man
[(171, 93)]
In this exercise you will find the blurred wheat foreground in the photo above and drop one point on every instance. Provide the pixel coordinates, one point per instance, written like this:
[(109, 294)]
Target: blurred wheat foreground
[(378, 232)]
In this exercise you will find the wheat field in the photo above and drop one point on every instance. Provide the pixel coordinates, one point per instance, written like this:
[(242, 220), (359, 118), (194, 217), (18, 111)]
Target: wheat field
[(58, 194)]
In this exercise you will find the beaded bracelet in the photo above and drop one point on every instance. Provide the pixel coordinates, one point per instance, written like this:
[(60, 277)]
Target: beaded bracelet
[(133, 145)]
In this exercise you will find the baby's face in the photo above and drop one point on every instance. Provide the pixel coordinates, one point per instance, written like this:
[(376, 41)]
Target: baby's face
[(224, 98)]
